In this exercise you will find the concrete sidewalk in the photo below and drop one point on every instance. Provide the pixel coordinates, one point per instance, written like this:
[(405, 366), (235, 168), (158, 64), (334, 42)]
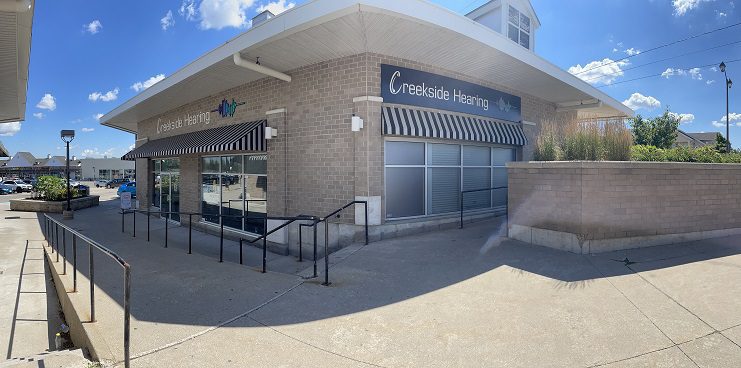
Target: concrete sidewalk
[(29, 310), (451, 298)]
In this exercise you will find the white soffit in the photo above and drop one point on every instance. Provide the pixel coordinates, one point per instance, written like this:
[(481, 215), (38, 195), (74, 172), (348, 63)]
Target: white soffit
[(15, 51), (322, 30)]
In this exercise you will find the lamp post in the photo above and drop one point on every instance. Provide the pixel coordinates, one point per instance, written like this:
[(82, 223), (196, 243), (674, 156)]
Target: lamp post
[(729, 83), (67, 137)]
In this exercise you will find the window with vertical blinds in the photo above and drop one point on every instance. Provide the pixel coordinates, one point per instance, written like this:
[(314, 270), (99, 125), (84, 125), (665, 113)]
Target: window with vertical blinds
[(425, 178)]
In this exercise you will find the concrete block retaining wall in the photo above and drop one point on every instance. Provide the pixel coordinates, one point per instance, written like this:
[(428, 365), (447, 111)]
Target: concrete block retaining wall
[(35, 205), (591, 207)]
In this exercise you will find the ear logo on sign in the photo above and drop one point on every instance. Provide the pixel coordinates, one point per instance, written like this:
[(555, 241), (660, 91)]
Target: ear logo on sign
[(227, 109)]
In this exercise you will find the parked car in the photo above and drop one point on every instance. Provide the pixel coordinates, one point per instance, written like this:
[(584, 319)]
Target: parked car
[(128, 187), (5, 189), (115, 183), (18, 186), (101, 183)]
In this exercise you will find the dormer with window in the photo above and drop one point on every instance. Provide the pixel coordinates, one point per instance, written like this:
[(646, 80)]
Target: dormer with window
[(514, 19)]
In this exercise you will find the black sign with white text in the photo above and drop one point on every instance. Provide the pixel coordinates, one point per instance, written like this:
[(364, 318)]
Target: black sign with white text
[(417, 88)]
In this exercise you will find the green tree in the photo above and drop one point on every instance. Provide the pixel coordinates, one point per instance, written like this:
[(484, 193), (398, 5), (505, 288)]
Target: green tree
[(642, 131), (720, 143), (660, 132)]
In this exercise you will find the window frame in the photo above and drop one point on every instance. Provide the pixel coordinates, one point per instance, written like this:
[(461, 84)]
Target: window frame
[(492, 166), (220, 173), (520, 29)]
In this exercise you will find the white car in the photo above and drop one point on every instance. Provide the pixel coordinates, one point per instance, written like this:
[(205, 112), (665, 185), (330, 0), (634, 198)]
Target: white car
[(18, 186), (101, 183)]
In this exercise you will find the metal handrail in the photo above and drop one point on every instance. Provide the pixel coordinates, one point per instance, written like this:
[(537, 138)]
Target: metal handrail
[(315, 220), (221, 225), (473, 191), (326, 237), (51, 235)]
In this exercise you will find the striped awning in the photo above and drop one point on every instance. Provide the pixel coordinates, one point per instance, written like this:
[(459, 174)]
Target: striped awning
[(422, 123), (237, 137)]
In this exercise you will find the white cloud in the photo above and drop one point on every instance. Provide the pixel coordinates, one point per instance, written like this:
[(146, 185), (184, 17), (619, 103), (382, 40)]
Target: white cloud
[(105, 97), (48, 102), (140, 86), (218, 14), (97, 116), (615, 50), (276, 7), (681, 7), (38, 115), (722, 14), (87, 130), (694, 73), (93, 27), (709, 82), (9, 129), (95, 152), (683, 118), (639, 101), (188, 9), (132, 146), (631, 51), (605, 71), (167, 21), (734, 119)]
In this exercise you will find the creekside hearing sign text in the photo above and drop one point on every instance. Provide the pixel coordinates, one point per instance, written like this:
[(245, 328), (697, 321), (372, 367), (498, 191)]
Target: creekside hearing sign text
[(417, 88)]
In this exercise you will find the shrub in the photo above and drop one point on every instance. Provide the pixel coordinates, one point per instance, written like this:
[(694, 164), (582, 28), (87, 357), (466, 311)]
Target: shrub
[(547, 146), (583, 140), (53, 188), (647, 153)]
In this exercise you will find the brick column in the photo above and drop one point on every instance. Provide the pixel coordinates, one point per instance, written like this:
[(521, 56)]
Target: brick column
[(144, 186), (190, 186), (368, 159), (277, 170)]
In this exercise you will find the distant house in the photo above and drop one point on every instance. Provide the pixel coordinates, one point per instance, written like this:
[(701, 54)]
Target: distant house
[(695, 140)]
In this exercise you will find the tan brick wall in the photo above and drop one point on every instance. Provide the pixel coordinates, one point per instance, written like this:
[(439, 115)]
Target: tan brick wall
[(316, 164), (608, 200)]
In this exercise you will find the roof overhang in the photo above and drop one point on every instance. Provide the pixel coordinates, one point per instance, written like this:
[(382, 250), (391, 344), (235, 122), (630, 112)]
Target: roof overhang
[(4, 151), (323, 30), (15, 53)]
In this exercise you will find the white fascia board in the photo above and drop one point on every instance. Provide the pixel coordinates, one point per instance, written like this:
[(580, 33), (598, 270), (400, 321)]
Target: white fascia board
[(320, 11), (454, 22), (295, 20)]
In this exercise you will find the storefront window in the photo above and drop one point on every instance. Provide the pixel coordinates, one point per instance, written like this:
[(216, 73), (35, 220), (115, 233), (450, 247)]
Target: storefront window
[(425, 178), (235, 187)]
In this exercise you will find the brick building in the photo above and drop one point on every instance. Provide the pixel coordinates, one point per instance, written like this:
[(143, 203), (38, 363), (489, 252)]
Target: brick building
[(404, 104)]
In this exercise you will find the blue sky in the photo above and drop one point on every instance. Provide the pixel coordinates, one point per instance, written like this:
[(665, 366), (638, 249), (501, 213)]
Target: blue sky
[(90, 60)]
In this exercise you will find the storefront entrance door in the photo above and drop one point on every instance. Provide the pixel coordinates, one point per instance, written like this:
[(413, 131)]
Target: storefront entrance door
[(170, 195)]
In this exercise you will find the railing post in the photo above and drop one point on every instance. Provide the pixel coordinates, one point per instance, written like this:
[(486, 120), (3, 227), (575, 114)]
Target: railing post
[(190, 233), (64, 250), (461, 203), (92, 282), (127, 314), (300, 243), (123, 216), (240, 250), (148, 214), (264, 244), (221, 240), (74, 263), (56, 230), (326, 252), (316, 221), (167, 225), (366, 222), (133, 216)]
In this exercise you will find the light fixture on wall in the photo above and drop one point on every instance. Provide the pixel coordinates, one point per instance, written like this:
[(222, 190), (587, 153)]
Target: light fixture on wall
[(270, 133), (356, 123)]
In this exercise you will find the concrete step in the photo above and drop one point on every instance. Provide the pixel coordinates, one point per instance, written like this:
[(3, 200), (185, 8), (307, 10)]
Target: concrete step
[(52, 359)]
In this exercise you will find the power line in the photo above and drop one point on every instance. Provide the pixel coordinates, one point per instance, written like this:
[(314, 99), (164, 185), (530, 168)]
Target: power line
[(661, 74), (661, 47), (662, 60)]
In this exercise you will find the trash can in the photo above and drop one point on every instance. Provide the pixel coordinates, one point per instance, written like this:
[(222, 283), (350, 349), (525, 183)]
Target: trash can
[(84, 190)]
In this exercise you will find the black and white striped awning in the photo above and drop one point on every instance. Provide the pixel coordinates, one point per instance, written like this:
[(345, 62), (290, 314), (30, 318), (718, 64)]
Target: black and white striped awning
[(237, 137), (422, 123)]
